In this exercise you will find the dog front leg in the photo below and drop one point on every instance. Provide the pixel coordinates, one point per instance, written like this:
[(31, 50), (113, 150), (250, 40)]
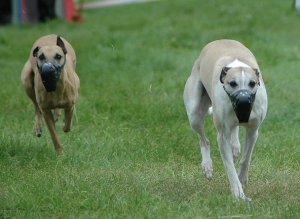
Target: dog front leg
[(250, 139), (49, 120), (37, 128), (226, 154), (67, 124), (27, 78), (235, 143)]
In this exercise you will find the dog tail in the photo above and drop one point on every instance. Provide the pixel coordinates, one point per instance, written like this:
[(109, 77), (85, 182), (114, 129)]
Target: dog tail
[(210, 111)]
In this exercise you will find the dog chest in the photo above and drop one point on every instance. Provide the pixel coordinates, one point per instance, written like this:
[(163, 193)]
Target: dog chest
[(53, 101)]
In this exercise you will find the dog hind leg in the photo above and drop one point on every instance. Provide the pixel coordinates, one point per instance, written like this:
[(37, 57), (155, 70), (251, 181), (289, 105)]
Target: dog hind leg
[(56, 114), (197, 103)]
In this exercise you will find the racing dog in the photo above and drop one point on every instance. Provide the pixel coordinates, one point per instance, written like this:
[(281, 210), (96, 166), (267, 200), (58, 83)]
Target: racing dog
[(226, 76), (50, 81)]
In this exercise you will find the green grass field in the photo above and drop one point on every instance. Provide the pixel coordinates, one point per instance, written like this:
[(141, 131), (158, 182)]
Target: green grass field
[(131, 152)]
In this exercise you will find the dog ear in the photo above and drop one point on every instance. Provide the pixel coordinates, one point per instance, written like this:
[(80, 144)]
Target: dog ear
[(61, 44), (223, 74), (257, 74), (35, 51)]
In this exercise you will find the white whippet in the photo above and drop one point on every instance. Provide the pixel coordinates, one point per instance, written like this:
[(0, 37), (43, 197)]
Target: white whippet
[(226, 76)]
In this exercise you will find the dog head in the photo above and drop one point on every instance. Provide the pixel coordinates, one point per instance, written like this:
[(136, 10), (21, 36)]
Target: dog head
[(241, 85), (50, 61)]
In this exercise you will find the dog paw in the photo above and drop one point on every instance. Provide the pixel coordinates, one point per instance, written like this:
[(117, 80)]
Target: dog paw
[(207, 169), (243, 180), (247, 199), (236, 153), (66, 128), (242, 197), (37, 130), (239, 194), (60, 152)]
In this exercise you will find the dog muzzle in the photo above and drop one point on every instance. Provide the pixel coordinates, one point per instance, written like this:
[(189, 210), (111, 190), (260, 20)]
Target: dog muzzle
[(50, 73), (242, 103)]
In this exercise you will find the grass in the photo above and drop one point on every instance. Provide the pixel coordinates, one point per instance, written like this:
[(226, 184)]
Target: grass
[(131, 153)]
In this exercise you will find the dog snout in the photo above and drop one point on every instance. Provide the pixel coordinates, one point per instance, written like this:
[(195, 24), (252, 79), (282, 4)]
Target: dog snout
[(48, 67)]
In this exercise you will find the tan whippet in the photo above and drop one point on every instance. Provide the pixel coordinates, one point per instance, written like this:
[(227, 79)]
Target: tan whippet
[(50, 81)]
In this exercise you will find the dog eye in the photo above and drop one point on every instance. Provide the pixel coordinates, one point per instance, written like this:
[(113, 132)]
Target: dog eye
[(57, 56), (252, 84), (233, 84), (41, 57)]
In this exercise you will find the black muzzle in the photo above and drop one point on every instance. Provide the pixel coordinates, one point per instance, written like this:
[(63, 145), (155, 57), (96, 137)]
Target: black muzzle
[(50, 73), (242, 103)]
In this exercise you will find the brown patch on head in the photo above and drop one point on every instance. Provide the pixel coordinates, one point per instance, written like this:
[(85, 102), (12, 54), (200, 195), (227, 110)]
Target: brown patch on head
[(254, 74), (231, 73)]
